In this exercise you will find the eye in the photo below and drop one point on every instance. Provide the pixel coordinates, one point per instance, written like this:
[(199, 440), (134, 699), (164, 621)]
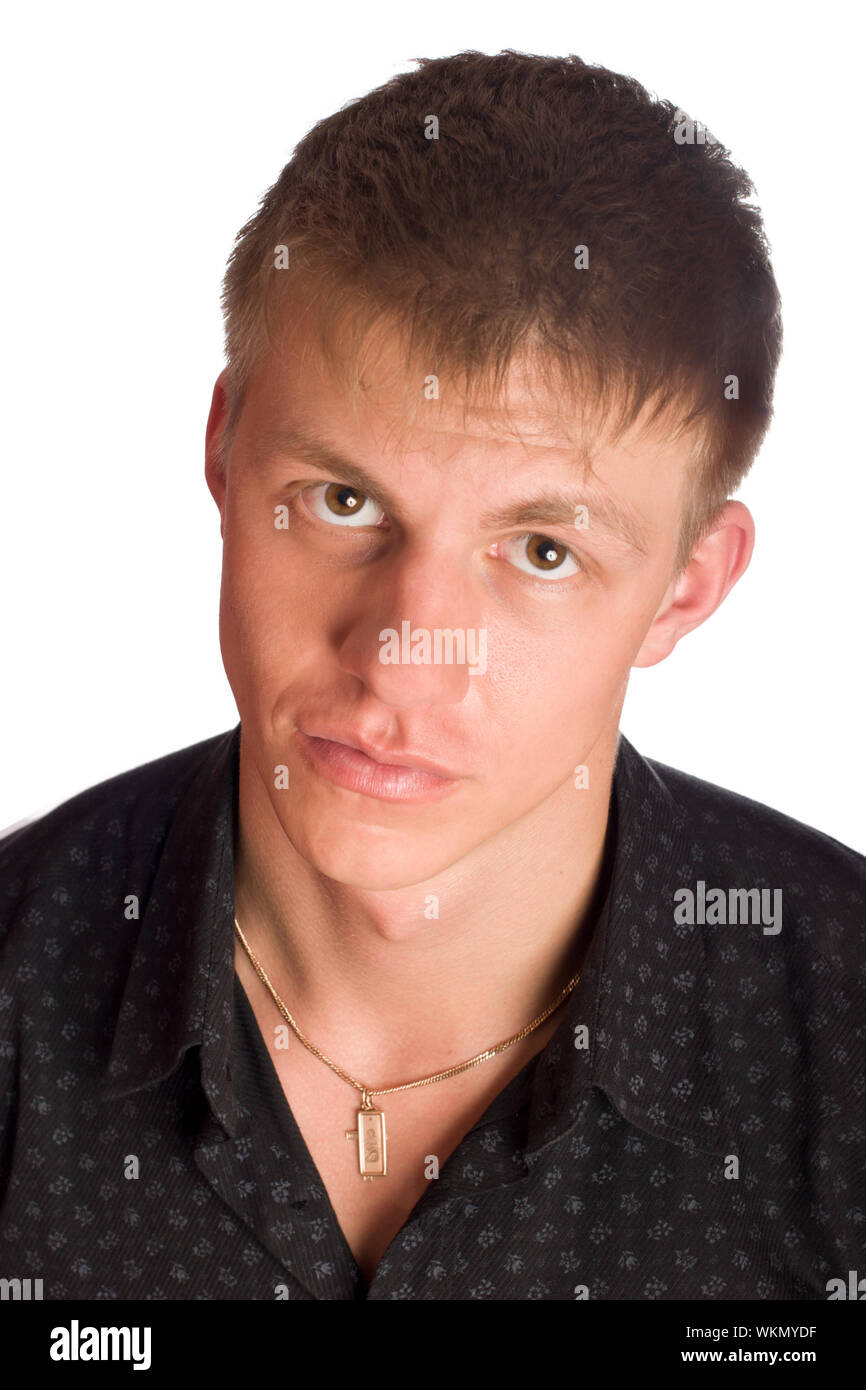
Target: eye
[(541, 557), (343, 505)]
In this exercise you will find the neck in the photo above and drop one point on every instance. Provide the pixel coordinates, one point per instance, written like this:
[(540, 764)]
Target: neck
[(367, 974)]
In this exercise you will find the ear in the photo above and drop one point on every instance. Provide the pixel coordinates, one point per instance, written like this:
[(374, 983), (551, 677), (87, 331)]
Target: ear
[(216, 421), (716, 565)]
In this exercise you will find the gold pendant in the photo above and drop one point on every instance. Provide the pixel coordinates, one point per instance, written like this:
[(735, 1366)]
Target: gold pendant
[(370, 1134)]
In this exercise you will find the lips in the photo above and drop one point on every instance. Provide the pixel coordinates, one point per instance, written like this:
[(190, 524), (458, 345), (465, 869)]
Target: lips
[(390, 757), (356, 770)]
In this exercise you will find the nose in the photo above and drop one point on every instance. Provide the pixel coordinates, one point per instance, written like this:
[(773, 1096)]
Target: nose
[(417, 635)]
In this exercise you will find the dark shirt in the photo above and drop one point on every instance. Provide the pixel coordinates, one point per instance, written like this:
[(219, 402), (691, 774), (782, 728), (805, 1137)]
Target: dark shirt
[(708, 1141)]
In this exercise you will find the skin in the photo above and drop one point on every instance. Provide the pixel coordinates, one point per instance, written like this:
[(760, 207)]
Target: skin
[(331, 884)]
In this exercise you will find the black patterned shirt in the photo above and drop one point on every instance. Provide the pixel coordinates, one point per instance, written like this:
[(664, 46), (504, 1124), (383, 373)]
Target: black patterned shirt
[(695, 1127)]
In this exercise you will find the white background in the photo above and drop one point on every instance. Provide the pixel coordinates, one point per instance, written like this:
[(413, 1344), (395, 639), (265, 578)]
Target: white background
[(138, 141)]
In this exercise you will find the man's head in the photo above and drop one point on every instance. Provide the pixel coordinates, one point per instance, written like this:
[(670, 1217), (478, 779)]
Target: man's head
[(432, 336)]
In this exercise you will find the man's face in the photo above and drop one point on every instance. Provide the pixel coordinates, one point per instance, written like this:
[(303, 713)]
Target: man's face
[(446, 529)]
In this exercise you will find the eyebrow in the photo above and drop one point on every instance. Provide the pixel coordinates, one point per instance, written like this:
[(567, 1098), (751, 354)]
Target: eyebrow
[(555, 507)]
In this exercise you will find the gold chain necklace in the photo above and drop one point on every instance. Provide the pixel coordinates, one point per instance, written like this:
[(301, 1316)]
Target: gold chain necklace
[(370, 1131)]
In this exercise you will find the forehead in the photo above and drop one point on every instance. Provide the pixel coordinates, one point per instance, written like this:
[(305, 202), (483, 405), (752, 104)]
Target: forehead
[(367, 393), (362, 364)]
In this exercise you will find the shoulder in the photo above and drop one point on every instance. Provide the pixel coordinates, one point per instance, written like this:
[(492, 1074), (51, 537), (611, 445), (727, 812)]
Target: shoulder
[(741, 843), (68, 855), (720, 812), (755, 930)]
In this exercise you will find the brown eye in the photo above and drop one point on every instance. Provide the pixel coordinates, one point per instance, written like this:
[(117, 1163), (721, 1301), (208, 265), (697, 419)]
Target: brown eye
[(343, 500), (342, 505), (540, 556), (545, 553)]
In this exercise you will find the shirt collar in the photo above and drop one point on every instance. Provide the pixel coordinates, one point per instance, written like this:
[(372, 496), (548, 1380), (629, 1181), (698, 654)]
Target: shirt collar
[(178, 992), (642, 999), (645, 995)]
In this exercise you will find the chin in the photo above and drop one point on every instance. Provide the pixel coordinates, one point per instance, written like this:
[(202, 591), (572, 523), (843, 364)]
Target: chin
[(372, 857)]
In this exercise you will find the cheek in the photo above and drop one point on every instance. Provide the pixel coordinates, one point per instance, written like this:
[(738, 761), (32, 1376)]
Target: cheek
[(259, 608), (278, 617), (548, 700), (577, 665), (263, 585)]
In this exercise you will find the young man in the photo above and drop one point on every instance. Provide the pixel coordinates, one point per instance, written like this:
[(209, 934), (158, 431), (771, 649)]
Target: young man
[(421, 983)]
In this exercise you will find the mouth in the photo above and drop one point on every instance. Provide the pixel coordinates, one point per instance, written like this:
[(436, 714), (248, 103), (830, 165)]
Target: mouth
[(391, 775)]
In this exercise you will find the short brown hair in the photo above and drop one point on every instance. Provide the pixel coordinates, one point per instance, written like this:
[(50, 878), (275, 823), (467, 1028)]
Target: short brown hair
[(466, 243)]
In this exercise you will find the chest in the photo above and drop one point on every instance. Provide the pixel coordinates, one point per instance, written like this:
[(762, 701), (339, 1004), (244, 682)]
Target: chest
[(422, 1128), (421, 1131)]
